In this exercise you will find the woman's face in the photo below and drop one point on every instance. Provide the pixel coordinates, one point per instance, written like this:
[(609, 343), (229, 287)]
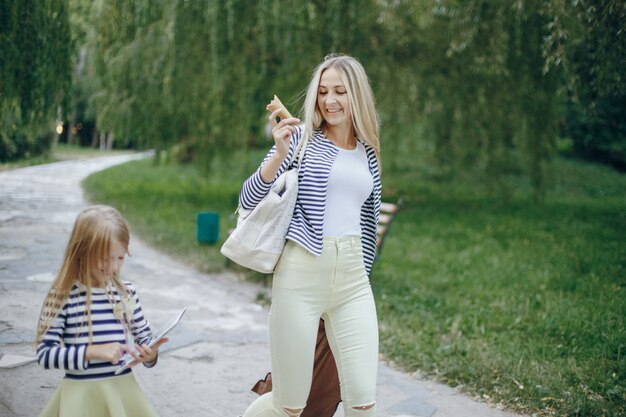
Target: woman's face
[(332, 99)]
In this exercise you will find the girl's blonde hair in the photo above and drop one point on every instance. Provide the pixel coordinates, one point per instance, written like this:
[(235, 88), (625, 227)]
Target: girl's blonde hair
[(362, 107), (89, 248)]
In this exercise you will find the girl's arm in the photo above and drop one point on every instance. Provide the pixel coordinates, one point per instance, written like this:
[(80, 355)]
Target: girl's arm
[(52, 354), (139, 325), (143, 334)]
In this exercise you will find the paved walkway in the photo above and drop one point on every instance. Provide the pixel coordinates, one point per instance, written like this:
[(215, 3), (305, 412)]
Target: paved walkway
[(216, 354)]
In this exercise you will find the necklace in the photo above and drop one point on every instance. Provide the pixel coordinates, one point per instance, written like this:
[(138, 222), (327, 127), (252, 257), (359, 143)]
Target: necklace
[(123, 311)]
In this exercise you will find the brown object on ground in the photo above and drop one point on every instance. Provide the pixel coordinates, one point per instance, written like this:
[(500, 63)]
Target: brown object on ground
[(325, 395), (276, 104)]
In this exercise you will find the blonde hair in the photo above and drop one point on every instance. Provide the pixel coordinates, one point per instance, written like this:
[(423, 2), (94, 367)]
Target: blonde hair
[(364, 116), (95, 230)]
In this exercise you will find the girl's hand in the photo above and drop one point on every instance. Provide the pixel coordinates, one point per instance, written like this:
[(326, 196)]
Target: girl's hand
[(110, 352), (282, 131), (145, 353)]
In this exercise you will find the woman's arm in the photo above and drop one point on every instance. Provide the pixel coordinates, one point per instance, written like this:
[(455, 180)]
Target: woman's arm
[(370, 213), (256, 187)]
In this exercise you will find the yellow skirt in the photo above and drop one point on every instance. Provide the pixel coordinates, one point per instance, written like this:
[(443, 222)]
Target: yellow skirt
[(110, 397)]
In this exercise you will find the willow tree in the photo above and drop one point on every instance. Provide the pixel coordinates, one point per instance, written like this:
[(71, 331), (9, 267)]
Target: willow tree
[(35, 65), (587, 39), (131, 50), (231, 57), (197, 74), (480, 84)]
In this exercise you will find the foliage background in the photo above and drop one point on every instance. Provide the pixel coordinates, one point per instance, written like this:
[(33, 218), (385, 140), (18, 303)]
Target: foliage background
[(485, 88), (35, 65), (517, 297)]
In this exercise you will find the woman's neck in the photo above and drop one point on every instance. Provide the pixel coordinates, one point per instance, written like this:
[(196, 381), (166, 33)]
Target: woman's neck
[(341, 136)]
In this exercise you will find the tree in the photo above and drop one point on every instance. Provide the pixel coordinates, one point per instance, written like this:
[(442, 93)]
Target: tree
[(481, 84), (587, 38), (197, 74), (35, 47)]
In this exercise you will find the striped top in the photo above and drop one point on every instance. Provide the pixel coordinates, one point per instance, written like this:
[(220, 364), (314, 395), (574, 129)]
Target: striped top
[(63, 346), (307, 224)]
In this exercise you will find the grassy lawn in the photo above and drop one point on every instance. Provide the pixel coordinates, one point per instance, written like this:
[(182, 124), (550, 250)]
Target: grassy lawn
[(519, 302), (161, 203)]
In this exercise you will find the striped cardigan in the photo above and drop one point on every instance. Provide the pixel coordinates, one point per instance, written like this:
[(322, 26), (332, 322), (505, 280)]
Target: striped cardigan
[(307, 224), (63, 346)]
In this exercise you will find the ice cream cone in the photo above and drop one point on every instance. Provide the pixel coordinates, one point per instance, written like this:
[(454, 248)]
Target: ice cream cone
[(276, 104)]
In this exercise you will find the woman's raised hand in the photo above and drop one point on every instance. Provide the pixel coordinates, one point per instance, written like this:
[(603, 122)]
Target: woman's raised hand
[(282, 131)]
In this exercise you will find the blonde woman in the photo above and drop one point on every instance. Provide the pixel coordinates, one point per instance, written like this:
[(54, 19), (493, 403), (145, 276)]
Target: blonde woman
[(331, 242), (90, 319)]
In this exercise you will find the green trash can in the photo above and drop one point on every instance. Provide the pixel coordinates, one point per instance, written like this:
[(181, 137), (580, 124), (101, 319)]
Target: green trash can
[(207, 227)]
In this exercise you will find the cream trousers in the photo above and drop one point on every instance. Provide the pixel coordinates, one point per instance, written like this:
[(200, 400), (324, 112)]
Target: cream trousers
[(333, 286)]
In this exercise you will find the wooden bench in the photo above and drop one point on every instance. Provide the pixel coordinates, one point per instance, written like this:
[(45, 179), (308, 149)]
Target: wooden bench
[(388, 212)]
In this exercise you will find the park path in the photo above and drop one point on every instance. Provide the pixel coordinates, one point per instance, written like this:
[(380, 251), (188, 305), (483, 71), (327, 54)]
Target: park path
[(215, 355)]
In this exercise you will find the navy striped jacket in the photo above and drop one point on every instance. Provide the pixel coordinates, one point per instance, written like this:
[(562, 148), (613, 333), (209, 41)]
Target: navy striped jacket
[(307, 224), (63, 346)]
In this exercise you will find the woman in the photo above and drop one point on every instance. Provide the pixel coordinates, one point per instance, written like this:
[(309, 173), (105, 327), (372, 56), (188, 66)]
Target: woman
[(331, 242)]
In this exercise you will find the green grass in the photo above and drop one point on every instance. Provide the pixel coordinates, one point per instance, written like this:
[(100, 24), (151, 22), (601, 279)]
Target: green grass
[(519, 302), (161, 202)]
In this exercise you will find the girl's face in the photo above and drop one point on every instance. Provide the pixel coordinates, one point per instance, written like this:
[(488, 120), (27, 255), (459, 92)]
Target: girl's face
[(114, 262), (332, 99)]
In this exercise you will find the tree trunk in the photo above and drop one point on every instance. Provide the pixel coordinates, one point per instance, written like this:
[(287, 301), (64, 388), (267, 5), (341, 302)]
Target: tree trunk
[(103, 138), (109, 141), (82, 54)]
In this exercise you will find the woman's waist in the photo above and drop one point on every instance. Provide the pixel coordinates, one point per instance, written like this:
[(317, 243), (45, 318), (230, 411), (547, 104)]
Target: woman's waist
[(352, 239)]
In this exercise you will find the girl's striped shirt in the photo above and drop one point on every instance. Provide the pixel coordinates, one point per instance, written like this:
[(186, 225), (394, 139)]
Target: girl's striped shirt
[(307, 224), (63, 346)]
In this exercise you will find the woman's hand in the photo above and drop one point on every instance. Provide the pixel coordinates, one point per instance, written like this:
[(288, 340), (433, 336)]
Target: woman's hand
[(282, 131), (110, 352)]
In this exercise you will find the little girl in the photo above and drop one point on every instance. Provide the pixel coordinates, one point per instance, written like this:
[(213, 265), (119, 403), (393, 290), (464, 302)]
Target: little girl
[(90, 319)]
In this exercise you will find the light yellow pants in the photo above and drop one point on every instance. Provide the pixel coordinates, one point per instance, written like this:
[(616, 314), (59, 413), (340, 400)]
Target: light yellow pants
[(333, 286)]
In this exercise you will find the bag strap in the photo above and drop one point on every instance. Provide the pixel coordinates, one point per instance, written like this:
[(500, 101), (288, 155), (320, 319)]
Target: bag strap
[(298, 153)]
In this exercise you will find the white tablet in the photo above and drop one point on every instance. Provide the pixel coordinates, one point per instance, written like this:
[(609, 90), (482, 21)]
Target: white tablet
[(159, 334)]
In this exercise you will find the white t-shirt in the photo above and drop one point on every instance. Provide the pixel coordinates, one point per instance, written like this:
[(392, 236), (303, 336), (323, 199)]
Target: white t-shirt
[(350, 183)]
